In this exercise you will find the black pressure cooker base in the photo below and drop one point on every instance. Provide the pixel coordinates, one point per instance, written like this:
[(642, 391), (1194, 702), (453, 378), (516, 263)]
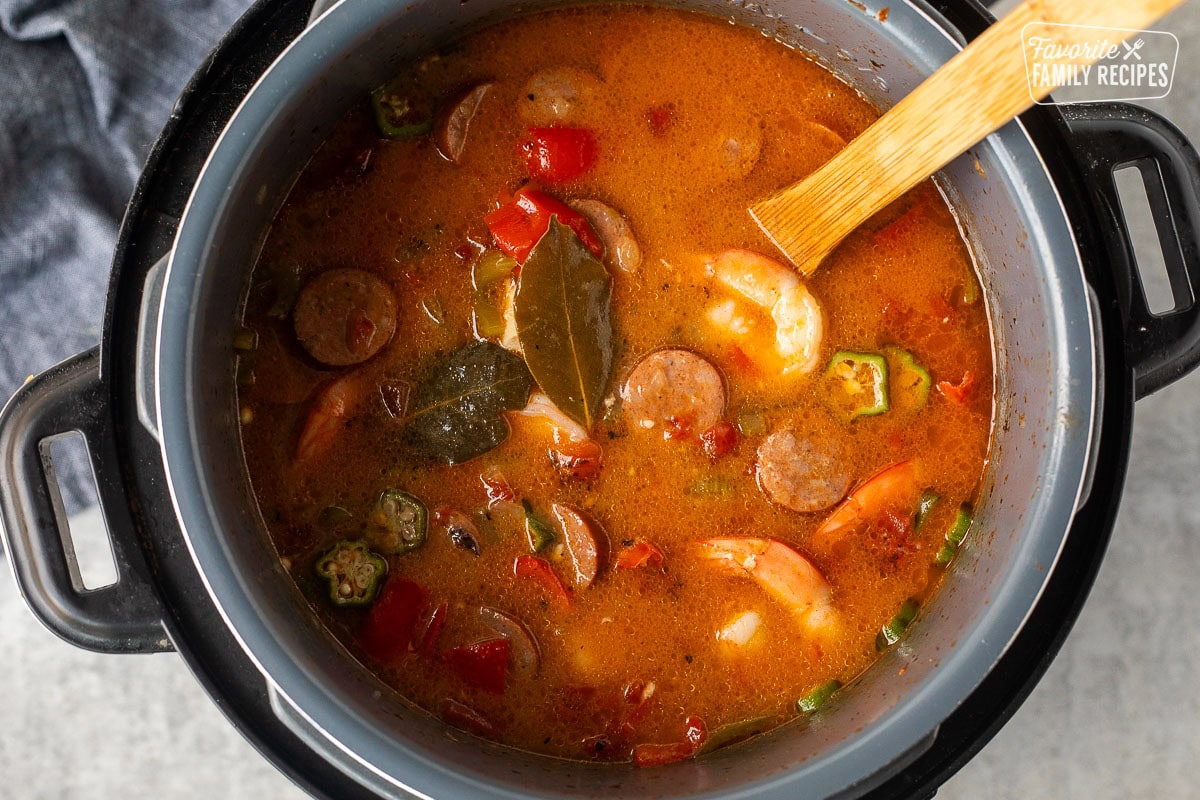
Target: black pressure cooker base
[(198, 632)]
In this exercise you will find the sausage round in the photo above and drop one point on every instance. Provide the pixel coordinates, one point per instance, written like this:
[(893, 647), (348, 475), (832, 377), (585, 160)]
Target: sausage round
[(799, 473), (621, 249), (344, 316), (676, 390)]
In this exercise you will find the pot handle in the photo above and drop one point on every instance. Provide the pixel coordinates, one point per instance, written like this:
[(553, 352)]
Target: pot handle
[(124, 617), (1108, 136)]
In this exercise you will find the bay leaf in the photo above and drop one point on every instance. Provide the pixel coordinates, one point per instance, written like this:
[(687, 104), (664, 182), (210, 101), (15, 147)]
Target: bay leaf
[(563, 308), (456, 411)]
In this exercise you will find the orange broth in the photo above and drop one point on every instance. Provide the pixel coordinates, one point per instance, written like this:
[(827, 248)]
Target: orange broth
[(663, 115)]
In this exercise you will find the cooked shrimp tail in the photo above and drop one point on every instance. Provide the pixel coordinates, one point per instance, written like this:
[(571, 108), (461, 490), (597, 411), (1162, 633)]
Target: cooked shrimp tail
[(776, 289), (785, 574)]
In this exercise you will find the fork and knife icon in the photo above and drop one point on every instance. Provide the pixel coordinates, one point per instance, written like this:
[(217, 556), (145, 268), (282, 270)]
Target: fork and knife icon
[(1132, 49)]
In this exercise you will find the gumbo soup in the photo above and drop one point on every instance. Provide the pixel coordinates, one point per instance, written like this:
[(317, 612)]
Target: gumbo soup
[(548, 435)]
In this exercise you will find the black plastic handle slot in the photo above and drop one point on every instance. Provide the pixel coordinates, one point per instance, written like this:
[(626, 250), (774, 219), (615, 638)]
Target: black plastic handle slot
[(1110, 136), (123, 617)]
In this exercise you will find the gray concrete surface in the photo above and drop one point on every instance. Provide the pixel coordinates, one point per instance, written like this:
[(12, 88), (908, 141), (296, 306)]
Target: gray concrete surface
[(1116, 717)]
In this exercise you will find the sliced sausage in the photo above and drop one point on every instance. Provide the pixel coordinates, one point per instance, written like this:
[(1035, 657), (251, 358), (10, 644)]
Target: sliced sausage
[(452, 126), (676, 390), (344, 316), (558, 94), (587, 543), (526, 655), (736, 151), (621, 249), (800, 473)]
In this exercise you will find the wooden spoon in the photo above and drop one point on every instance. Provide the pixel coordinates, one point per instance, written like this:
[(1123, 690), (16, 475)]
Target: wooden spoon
[(970, 96)]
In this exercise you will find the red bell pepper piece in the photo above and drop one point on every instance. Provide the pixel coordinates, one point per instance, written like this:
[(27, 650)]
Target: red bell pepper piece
[(957, 392), (388, 631), (539, 570), (558, 155), (719, 440), (652, 755), (517, 226), (639, 553), (577, 461), (433, 629), (482, 665)]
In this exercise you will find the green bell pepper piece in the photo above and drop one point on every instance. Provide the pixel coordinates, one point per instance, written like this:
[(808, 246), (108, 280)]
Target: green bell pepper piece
[(891, 633), (929, 499), (818, 696), (955, 536), (540, 534)]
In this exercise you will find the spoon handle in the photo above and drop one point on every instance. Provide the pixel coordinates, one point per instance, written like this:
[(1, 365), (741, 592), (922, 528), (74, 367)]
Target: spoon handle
[(970, 96)]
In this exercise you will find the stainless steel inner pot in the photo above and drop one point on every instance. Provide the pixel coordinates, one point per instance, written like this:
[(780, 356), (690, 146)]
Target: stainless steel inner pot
[(1044, 332)]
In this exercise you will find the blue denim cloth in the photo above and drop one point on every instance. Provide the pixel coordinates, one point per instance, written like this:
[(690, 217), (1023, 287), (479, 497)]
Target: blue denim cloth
[(85, 87)]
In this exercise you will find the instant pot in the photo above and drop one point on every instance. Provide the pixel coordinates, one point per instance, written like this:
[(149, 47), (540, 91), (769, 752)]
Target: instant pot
[(1075, 345)]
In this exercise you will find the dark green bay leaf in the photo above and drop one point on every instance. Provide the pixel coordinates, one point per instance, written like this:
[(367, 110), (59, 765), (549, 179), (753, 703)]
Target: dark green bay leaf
[(564, 320), (456, 412)]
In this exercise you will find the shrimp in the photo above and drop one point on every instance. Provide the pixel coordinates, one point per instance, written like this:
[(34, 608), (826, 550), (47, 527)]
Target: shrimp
[(777, 289), (783, 573), (542, 408), (879, 494), (575, 455), (333, 404)]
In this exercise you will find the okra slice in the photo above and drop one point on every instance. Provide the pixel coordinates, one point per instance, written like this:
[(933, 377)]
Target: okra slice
[(400, 522), (857, 384), (354, 573)]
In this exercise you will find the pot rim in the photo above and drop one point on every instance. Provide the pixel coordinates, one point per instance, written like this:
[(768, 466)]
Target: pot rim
[(886, 740)]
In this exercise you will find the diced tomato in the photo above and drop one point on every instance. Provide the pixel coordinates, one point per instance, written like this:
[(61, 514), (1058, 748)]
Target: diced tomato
[(577, 461), (388, 631), (719, 440), (360, 330), (896, 524), (652, 755), (558, 155), (679, 427), (482, 665), (661, 119), (433, 629), (941, 309), (517, 226), (901, 226), (960, 391), (497, 488), (537, 569), (639, 553), (463, 716), (741, 361), (639, 696)]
